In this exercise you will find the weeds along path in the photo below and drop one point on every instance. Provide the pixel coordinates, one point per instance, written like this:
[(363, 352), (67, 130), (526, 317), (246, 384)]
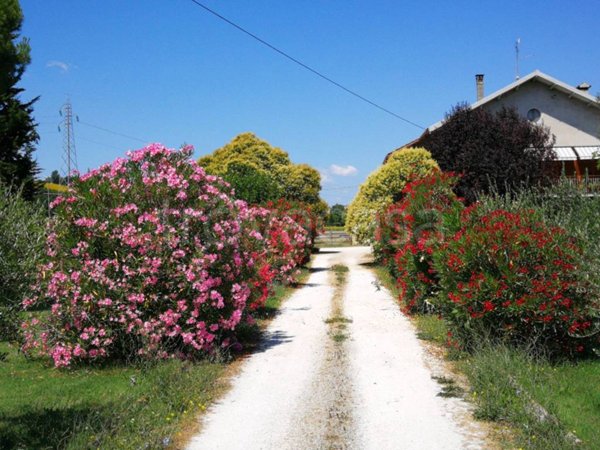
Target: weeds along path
[(340, 368), (326, 417)]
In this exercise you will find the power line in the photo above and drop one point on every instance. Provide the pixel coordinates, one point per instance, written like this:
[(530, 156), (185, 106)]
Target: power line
[(305, 66), (113, 132), (46, 116), (99, 143), (340, 188)]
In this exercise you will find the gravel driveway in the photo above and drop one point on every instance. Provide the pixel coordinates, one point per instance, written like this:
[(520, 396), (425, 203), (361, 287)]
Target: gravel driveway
[(372, 389)]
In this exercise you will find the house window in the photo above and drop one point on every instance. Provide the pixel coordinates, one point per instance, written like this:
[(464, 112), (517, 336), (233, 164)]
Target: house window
[(533, 115)]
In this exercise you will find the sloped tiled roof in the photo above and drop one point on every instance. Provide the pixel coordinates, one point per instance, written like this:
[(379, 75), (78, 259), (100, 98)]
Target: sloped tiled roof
[(533, 76), (536, 75)]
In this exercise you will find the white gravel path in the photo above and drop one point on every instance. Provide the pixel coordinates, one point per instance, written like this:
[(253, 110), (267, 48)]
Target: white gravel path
[(259, 412), (396, 401), (281, 398)]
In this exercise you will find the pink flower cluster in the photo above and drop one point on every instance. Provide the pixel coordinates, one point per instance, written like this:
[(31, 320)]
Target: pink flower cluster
[(150, 256)]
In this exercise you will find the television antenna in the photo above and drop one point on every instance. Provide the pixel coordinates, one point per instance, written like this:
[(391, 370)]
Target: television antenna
[(517, 50)]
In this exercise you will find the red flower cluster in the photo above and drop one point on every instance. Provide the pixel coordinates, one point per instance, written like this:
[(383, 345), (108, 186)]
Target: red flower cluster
[(512, 277), (282, 245), (305, 216), (494, 274), (410, 231)]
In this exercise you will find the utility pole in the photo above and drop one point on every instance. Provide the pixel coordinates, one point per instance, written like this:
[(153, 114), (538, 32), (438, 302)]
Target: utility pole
[(69, 155)]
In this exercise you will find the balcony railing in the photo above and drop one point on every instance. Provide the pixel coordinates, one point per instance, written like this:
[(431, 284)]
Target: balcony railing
[(589, 183)]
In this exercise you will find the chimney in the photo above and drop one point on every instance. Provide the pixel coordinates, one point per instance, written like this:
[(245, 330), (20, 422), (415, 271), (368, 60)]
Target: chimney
[(584, 87), (479, 81)]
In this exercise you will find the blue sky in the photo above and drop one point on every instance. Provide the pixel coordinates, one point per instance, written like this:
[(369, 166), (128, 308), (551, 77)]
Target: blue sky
[(167, 71)]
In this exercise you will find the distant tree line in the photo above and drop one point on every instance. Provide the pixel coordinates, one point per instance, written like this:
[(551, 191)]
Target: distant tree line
[(56, 178), (336, 216)]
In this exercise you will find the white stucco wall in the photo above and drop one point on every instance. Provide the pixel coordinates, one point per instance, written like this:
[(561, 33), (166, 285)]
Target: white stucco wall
[(572, 122)]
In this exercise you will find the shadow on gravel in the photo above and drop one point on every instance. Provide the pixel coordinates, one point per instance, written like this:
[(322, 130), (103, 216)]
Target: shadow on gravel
[(327, 252), (449, 388), (301, 285), (317, 269), (368, 264), (273, 339), (304, 308)]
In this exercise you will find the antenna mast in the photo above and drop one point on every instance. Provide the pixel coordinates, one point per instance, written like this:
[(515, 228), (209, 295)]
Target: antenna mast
[(69, 156), (517, 48)]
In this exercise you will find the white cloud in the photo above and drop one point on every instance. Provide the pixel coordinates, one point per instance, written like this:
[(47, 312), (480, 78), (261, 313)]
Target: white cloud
[(325, 177), (343, 171), (62, 66)]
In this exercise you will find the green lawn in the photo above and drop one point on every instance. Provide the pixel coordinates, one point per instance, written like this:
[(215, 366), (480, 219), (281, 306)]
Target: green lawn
[(573, 391), (569, 391), (506, 385), (113, 407)]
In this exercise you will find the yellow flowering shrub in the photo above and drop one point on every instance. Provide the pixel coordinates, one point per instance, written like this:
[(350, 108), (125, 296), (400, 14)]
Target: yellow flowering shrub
[(383, 187)]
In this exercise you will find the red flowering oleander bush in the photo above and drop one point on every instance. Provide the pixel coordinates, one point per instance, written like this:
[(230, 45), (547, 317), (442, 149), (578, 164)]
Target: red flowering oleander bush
[(508, 276), (411, 230), (283, 242), (304, 215), (149, 256)]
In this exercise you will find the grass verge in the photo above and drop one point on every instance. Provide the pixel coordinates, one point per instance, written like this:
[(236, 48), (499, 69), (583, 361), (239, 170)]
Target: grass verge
[(280, 293), (250, 335), (544, 405), (108, 407), (118, 407)]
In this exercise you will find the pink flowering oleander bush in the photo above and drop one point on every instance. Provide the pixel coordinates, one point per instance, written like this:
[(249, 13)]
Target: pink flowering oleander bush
[(147, 256)]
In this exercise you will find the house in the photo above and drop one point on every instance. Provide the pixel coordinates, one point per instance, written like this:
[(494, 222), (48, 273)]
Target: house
[(571, 113)]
